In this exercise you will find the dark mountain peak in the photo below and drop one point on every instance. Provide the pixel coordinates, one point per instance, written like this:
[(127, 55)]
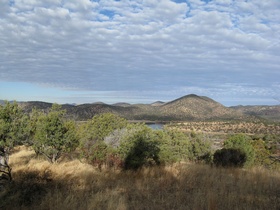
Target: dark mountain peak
[(157, 103), (190, 99), (194, 107), (122, 104), (191, 96), (99, 103)]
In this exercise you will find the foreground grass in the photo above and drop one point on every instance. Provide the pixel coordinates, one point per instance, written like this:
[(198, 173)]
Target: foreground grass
[(74, 185)]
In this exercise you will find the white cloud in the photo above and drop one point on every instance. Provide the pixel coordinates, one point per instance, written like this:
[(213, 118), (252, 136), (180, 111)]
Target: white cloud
[(139, 45), (4, 8), (224, 2)]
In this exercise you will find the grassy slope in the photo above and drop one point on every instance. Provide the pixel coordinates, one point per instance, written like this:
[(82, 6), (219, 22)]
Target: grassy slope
[(74, 185)]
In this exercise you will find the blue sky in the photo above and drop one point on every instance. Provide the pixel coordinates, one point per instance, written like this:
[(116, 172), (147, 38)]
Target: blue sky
[(141, 51)]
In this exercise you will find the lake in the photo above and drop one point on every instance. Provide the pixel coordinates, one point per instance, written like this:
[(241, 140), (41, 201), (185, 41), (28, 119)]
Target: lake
[(155, 126)]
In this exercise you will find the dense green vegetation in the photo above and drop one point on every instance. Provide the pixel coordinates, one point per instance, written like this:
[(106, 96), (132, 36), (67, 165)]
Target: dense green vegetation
[(53, 134), (13, 131)]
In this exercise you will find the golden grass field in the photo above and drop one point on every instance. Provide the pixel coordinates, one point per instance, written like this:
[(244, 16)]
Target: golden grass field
[(70, 184)]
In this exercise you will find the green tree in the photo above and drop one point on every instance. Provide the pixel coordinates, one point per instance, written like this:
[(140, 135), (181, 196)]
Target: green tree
[(262, 154), (138, 147), (54, 134), (12, 125), (242, 143), (174, 145), (271, 142), (31, 128), (200, 147), (94, 132), (229, 158), (12, 132)]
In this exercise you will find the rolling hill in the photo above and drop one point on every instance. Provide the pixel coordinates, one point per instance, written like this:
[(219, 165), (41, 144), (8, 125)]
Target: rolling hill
[(187, 108), (271, 113), (193, 107)]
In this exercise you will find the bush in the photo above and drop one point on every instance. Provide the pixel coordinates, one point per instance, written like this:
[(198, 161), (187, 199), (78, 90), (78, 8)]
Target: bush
[(262, 154), (54, 135), (143, 152), (229, 158), (200, 148), (174, 145), (97, 154), (138, 147), (13, 123), (97, 137), (242, 143)]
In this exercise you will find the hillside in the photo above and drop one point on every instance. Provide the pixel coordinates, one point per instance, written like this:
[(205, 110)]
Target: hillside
[(186, 108), (265, 112), (193, 107)]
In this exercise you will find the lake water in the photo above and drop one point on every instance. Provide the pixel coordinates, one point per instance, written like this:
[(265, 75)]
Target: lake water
[(155, 126)]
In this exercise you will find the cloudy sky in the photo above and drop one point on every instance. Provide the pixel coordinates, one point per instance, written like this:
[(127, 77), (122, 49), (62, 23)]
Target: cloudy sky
[(141, 51)]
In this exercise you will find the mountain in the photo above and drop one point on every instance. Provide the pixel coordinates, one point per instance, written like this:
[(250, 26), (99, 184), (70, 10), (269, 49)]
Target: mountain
[(28, 106), (87, 111), (123, 104), (265, 112), (2, 102), (186, 108), (193, 107), (157, 103)]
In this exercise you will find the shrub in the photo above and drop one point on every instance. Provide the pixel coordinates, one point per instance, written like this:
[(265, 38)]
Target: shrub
[(138, 147), (262, 154), (200, 148), (13, 124), (174, 145), (93, 134), (143, 152), (54, 134), (229, 158), (242, 143)]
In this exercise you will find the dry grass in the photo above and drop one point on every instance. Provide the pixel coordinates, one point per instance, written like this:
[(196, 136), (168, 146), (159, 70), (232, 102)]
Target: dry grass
[(74, 185)]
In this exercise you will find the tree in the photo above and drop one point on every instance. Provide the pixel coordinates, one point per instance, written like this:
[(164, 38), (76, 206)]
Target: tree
[(242, 143), (138, 147), (200, 147), (12, 132), (101, 126), (94, 132), (229, 158), (262, 154), (54, 134), (174, 145)]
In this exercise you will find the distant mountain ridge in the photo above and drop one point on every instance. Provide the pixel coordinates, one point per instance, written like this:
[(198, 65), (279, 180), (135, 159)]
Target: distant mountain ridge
[(187, 108), (2, 102), (265, 112)]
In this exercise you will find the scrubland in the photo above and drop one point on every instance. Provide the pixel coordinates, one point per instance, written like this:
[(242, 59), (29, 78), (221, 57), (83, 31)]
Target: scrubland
[(72, 184), (229, 127)]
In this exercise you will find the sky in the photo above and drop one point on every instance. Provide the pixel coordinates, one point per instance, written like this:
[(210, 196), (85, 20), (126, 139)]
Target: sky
[(141, 51)]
